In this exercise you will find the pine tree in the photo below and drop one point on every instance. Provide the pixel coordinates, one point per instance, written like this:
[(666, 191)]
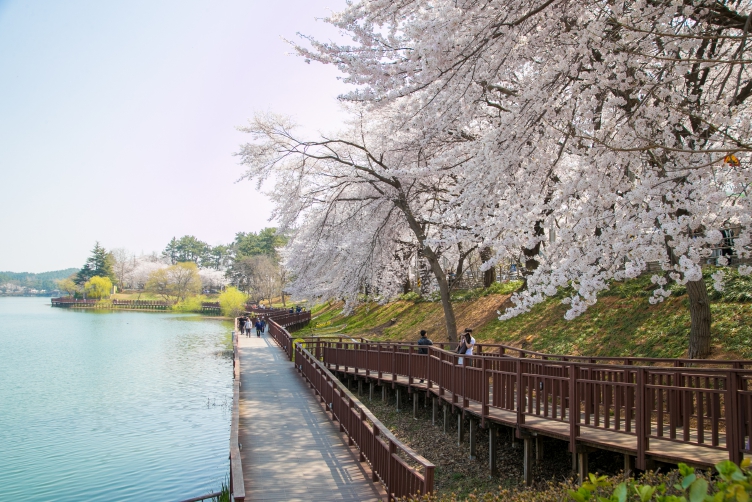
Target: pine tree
[(98, 264)]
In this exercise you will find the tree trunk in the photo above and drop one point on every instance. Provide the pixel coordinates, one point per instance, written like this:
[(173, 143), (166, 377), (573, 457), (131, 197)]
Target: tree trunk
[(406, 286), (446, 303), (489, 276), (699, 311), (433, 260)]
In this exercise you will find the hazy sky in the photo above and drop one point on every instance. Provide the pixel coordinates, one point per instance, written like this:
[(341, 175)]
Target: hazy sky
[(117, 119)]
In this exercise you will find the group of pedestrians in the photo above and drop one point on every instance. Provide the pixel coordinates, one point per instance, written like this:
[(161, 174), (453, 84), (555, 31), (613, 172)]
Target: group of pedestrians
[(465, 347), (247, 325)]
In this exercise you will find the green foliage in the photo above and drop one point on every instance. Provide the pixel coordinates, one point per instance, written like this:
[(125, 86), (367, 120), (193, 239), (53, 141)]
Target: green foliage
[(265, 242), (224, 491), (190, 304), (100, 263), (176, 282), (98, 287), (67, 286), (232, 302), (733, 484), (187, 248), (412, 296), (497, 288)]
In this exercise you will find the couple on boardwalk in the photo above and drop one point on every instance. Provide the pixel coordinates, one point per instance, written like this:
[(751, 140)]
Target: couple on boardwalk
[(260, 326), (466, 345)]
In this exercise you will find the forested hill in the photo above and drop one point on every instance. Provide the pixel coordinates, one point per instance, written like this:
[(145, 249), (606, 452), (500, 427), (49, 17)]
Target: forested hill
[(43, 280)]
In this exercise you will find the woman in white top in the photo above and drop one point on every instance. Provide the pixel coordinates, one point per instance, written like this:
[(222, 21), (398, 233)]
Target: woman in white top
[(468, 342)]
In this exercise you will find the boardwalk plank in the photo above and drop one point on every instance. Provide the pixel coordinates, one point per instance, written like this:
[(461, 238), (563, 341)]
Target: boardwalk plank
[(291, 450)]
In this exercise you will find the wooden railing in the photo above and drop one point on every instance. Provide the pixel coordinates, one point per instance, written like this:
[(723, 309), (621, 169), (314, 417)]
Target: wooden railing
[(501, 350), (70, 302), (677, 413), (399, 468), (237, 483)]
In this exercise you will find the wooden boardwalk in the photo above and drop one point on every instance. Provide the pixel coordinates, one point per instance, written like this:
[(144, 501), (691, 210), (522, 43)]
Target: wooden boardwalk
[(290, 448)]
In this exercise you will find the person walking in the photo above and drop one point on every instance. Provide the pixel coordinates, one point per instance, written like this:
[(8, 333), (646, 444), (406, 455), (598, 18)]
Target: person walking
[(247, 326), (259, 327), (425, 342), (263, 325)]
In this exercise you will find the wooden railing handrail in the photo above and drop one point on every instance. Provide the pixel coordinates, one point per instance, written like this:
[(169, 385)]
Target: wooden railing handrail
[(708, 409), (625, 361), (237, 482)]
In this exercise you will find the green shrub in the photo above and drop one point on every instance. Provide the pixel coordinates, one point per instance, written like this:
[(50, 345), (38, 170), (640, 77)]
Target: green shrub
[(412, 296), (497, 288), (732, 484), (232, 302), (190, 304)]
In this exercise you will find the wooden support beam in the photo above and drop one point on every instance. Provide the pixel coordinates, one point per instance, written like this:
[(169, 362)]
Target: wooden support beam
[(527, 458), (383, 393), (582, 465), (493, 446), (538, 449), (435, 410), (628, 464), (415, 405), (460, 429), (446, 418), (370, 391), (397, 400), (473, 434), (360, 387)]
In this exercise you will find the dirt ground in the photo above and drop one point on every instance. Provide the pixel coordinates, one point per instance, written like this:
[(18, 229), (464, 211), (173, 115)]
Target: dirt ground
[(456, 472)]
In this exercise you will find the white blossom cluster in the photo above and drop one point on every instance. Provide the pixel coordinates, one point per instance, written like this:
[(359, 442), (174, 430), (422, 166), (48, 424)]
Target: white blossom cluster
[(587, 139)]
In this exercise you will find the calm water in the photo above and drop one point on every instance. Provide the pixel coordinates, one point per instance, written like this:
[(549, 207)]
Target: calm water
[(111, 405)]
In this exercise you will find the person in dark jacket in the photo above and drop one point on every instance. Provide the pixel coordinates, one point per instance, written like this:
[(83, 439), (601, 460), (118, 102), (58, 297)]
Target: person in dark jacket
[(423, 341)]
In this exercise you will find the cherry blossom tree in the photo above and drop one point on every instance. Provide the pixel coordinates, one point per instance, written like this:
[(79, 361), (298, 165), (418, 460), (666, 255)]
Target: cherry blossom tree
[(356, 203), (622, 128)]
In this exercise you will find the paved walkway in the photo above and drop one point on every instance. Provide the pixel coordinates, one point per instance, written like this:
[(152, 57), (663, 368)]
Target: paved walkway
[(291, 450)]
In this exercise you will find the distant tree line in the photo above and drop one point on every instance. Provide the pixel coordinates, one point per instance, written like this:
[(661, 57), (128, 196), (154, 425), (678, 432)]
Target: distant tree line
[(41, 281), (187, 267)]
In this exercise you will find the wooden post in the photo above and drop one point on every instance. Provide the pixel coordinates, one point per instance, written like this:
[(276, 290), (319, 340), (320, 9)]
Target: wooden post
[(640, 419), (460, 429), (473, 432), (628, 464), (493, 445), (415, 405), (435, 410), (446, 419), (397, 394), (527, 458), (538, 449), (582, 466), (360, 387), (383, 393), (370, 391)]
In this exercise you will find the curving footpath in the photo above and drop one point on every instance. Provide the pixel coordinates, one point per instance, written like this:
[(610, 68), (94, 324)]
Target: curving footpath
[(290, 449)]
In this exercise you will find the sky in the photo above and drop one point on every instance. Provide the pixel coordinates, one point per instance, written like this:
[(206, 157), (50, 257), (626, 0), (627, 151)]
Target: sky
[(118, 119)]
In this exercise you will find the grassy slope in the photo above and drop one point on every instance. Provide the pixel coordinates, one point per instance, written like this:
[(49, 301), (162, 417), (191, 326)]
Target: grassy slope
[(622, 323)]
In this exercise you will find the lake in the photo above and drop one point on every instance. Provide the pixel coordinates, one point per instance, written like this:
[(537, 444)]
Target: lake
[(99, 405)]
